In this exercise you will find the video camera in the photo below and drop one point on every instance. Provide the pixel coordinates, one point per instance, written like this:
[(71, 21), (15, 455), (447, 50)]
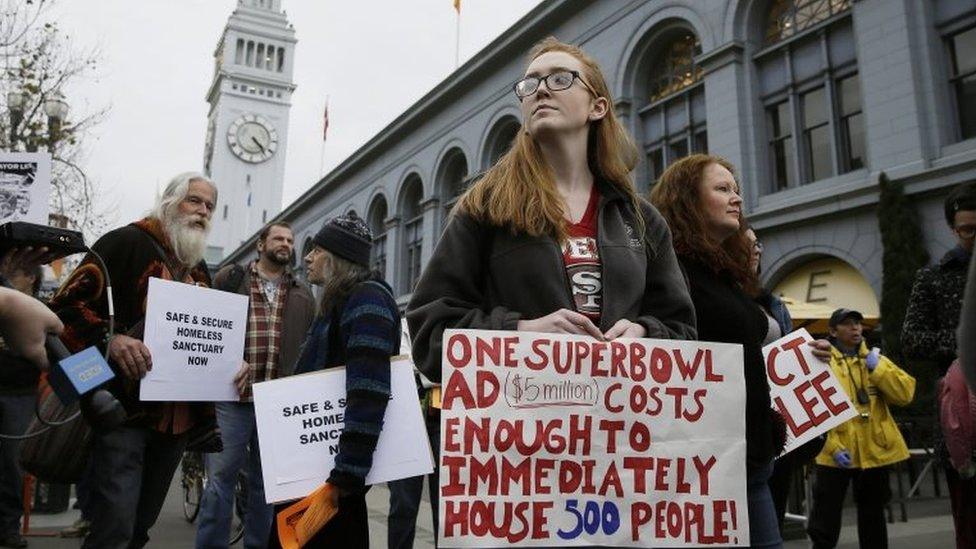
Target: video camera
[(98, 406)]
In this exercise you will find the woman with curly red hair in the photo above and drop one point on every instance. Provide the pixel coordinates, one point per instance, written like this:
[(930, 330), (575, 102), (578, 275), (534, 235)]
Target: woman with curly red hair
[(699, 197)]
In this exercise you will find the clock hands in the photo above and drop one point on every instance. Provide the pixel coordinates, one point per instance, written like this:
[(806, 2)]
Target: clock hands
[(258, 143)]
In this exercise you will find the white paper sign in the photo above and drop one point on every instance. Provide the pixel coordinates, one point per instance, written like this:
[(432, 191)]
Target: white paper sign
[(804, 390), (196, 338), (25, 186), (300, 418), (555, 440)]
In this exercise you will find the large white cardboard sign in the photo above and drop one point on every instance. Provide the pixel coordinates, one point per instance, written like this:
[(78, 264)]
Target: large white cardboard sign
[(25, 186), (553, 440), (804, 390), (300, 418), (196, 338)]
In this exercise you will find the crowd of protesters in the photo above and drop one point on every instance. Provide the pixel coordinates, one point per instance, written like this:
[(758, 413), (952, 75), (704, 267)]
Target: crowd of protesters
[(531, 246)]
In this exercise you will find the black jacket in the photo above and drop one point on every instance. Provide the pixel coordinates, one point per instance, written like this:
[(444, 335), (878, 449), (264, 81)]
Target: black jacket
[(726, 314), (485, 277), (934, 309)]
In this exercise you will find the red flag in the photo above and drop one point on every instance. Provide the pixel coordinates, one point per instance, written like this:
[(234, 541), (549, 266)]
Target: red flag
[(325, 121)]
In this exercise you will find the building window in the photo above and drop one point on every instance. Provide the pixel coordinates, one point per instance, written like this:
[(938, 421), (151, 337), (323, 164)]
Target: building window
[(269, 58), (789, 17), (811, 94), (412, 237), (249, 58), (452, 181), (673, 121), (281, 59), (676, 68), (239, 52), (260, 57), (376, 219), (962, 53)]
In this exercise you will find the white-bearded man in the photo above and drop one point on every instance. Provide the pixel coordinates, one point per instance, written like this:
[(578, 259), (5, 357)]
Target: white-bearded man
[(132, 465)]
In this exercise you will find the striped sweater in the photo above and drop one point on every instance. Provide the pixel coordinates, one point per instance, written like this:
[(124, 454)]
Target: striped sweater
[(360, 334)]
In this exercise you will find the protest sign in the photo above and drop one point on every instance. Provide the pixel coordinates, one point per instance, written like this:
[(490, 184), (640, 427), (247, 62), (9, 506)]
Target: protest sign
[(25, 185), (557, 440), (300, 418), (804, 390), (196, 338)]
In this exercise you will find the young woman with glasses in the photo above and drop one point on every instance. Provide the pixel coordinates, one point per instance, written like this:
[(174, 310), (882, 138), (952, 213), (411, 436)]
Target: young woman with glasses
[(554, 237)]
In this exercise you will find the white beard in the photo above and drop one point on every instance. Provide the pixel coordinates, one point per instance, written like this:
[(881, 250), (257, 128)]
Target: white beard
[(189, 241)]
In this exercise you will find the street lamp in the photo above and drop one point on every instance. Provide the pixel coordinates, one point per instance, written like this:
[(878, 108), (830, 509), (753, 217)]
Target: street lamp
[(56, 109), (15, 102)]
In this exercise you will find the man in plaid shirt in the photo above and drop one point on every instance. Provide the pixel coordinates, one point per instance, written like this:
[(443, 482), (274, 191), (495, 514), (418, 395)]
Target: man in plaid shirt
[(279, 313)]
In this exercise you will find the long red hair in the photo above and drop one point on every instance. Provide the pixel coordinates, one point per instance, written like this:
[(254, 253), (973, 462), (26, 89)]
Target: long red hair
[(519, 192), (677, 195)]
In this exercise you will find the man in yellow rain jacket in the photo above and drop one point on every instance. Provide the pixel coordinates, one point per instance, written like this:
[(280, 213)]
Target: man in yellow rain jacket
[(860, 450)]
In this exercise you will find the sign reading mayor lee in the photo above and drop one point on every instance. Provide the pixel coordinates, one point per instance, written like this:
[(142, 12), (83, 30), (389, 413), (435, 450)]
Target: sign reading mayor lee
[(555, 440)]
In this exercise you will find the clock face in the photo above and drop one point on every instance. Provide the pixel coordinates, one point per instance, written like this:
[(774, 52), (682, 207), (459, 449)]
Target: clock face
[(252, 138)]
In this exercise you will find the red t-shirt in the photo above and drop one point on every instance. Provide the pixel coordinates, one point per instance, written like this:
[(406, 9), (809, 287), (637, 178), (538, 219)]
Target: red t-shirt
[(582, 259)]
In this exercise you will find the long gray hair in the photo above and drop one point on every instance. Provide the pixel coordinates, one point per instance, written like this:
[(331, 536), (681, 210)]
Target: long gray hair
[(188, 246)]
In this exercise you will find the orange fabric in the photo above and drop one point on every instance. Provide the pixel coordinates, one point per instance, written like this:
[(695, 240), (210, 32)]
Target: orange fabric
[(300, 521)]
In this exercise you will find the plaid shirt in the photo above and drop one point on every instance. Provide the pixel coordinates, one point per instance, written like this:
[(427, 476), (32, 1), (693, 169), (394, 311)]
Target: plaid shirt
[(263, 339)]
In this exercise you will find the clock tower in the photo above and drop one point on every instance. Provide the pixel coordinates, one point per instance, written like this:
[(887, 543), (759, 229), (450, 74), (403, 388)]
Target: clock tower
[(247, 126)]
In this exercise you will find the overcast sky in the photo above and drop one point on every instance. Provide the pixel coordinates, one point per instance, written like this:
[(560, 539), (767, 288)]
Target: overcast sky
[(373, 59)]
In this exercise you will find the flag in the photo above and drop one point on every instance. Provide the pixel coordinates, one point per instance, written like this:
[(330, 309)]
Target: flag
[(325, 121), (457, 6)]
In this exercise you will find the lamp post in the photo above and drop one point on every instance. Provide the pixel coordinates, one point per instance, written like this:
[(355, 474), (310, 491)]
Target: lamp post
[(56, 109)]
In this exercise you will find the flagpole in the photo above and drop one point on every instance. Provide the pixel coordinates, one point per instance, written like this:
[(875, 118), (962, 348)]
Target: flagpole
[(322, 149), (457, 38)]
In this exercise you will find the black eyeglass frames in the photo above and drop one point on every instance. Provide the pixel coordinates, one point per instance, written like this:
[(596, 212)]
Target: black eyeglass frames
[(555, 81)]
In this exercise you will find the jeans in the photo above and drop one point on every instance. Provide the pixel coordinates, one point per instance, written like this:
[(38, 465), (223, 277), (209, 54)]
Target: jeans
[(16, 412), (962, 496), (763, 523), (871, 493), (238, 431), (405, 495), (131, 472)]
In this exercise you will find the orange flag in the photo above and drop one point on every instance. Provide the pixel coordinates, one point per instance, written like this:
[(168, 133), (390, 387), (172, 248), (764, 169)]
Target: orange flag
[(300, 521)]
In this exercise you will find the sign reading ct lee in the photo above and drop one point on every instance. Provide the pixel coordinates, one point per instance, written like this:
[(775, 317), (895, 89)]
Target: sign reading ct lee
[(804, 390), (552, 440), (196, 338)]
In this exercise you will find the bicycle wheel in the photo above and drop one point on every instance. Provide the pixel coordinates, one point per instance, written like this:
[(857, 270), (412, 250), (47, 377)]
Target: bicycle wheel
[(240, 508), (192, 482)]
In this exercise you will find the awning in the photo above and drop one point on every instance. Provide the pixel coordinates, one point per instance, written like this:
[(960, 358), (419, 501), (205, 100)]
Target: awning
[(814, 316)]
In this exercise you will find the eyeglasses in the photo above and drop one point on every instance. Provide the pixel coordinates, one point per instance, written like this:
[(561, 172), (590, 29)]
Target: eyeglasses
[(555, 81), (966, 231), (758, 246)]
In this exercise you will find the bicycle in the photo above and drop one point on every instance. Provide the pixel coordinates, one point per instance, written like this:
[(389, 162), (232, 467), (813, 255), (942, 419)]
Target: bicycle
[(193, 479)]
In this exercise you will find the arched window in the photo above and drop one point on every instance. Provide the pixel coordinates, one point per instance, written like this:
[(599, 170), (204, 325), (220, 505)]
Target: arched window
[(249, 58), (500, 140), (810, 91), (281, 59), (376, 220), (412, 215), (789, 17), (673, 120), (239, 52), (452, 180), (260, 57), (269, 58)]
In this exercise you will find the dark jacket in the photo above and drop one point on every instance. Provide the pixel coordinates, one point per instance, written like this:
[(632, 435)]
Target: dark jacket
[(361, 333), (967, 329), (298, 314), (726, 314), (776, 309), (929, 331), (485, 277)]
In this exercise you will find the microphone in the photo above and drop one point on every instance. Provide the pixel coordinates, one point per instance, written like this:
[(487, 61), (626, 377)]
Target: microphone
[(99, 407)]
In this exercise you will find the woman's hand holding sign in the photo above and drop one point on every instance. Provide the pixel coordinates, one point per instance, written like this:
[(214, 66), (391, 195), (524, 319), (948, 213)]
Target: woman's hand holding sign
[(625, 328), (562, 321), (131, 354)]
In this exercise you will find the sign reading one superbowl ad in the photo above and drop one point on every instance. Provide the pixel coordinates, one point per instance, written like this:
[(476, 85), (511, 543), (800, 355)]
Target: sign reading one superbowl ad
[(557, 440)]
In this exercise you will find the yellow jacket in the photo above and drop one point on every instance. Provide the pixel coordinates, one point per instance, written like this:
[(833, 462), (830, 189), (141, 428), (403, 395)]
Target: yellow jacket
[(873, 439)]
